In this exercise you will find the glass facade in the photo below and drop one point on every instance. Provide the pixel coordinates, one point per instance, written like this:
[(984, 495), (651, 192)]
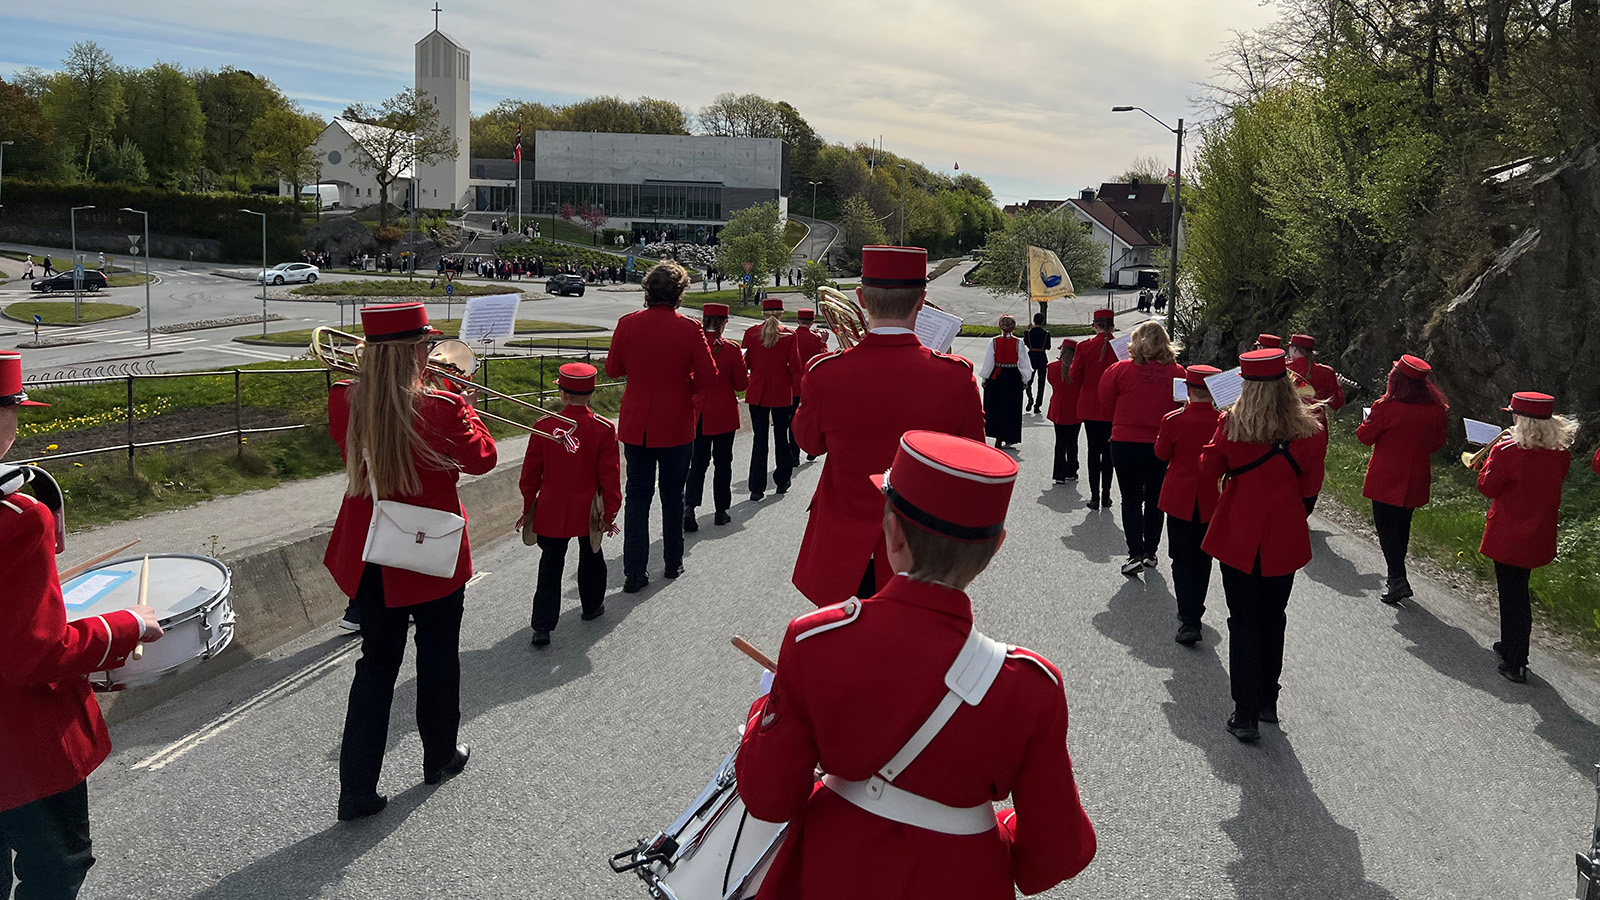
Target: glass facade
[(652, 200)]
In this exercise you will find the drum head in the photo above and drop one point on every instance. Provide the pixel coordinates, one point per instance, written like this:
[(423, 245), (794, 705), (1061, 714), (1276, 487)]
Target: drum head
[(179, 584)]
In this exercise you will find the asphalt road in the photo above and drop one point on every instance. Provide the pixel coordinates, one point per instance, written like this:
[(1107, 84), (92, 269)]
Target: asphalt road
[(823, 235), (1405, 766)]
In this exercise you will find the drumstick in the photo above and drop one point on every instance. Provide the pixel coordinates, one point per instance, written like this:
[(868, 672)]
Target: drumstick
[(748, 649), (88, 564), (144, 594)]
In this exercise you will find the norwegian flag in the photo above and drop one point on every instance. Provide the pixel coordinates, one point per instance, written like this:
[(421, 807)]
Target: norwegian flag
[(568, 438), (516, 154)]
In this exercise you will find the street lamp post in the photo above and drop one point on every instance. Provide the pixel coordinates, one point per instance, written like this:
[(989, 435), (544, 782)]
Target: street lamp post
[(902, 203), (263, 266), (3, 146), (140, 212), (1177, 210), (77, 268)]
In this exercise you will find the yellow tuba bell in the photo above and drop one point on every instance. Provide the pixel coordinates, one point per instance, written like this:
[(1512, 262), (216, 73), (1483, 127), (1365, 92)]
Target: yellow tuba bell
[(845, 318)]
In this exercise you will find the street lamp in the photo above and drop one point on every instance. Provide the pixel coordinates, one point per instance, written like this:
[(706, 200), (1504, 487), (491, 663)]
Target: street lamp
[(77, 267), (263, 266), (1177, 207), (902, 203), (140, 212), (3, 146)]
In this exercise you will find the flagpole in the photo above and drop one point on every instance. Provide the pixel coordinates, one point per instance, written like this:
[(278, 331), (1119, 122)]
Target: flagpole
[(519, 178)]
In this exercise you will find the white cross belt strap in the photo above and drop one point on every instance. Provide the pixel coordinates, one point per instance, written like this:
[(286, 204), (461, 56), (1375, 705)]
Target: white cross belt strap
[(968, 680)]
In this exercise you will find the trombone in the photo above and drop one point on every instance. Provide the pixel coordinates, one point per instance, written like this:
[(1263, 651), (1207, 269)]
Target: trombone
[(1475, 461), (450, 362)]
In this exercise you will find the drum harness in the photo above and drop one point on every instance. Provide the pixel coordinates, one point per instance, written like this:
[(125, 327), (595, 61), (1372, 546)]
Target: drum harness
[(45, 489), (968, 680)]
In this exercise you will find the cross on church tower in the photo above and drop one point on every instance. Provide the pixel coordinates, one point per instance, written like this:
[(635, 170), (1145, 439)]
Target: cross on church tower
[(436, 11)]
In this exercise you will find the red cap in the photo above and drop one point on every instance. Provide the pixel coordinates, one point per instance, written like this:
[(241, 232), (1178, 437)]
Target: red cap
[(950, 485), (577, 378), (1195, 376), (1069, 342), (1532, 404), (894, 267), (1262, 365), (1105, 315), (396, 322), (11, 392), (1303, 341), (806, 312), (1269, 341), (715, 309), (772, 304), (1414, 367)]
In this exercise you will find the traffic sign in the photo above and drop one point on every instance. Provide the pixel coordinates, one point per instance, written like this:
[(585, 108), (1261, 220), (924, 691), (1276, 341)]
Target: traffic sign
[(746, 279), (748, 267), (38, 319), (449, 290)]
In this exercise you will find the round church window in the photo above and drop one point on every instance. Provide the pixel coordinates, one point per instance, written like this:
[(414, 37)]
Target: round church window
[(334, 157)]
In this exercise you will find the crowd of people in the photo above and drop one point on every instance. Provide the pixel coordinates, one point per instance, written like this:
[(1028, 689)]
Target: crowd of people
[(517, 268)]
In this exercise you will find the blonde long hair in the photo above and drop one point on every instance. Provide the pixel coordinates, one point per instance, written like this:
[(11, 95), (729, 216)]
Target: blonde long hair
[(1554, 433), (771, 330), (382, 427), (1150, 343), (1269, 411)]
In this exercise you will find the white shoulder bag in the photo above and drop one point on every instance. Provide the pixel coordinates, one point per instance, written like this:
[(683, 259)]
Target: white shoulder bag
[(414, 538)]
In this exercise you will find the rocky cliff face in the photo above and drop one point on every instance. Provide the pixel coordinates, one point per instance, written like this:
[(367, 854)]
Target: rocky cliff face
[(1531, 321)]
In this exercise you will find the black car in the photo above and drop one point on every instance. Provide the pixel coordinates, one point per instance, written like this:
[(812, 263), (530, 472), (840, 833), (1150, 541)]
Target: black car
[(93, 280), (563, 285)]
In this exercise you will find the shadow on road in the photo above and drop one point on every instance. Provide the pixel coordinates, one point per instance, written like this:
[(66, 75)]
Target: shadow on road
[(1289, 844), (1098, 537), (1331, 570)]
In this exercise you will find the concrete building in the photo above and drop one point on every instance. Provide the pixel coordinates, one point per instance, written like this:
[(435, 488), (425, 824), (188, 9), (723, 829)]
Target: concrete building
[(645, 183), (444, 76)]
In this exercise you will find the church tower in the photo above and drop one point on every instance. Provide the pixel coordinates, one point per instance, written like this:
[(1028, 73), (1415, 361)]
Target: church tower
[(444, 76)]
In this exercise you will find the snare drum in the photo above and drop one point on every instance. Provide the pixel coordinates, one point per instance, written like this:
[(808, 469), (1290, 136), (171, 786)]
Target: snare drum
[(716, 850), (190, 597)]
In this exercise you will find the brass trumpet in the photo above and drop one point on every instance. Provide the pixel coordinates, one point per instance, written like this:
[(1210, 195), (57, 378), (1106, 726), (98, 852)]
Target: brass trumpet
[(450, 363), (1475, 461)]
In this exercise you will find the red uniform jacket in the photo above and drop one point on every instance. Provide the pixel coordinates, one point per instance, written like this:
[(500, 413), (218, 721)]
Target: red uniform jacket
[(563, 483), (1136, 397), (1184, 434), (771, 379), (1094, 357), (848, 697), (1318, 465), (449, 426), (716, 400), (1260, 513), (1063, 396), (1403, 438), (1525, 489), (52, 734), (858, 403), (806, 346), (1596, 463), (1326, 383), (664, 357)]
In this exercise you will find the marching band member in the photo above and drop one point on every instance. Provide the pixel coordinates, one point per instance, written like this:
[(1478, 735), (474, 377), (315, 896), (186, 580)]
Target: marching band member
[(806, 346), (1522, 477), (770, 397), (1319, 388), (856, 405), (413, 443), (1137, 393), (559, 483), (1267, 342), (1094, 356), (1188, 499), (1405, 428), (54, 735), (923, 823), (1064, 413), (664, 356), (1259, 532), (716, 421), (1037, 340), (1006, 368)]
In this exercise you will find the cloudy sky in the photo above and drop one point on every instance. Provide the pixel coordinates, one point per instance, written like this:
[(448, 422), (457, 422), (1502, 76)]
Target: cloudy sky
[(1017, 92)]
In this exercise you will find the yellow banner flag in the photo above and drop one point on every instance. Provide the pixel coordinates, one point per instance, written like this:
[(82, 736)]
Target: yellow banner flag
[(1047, 277)]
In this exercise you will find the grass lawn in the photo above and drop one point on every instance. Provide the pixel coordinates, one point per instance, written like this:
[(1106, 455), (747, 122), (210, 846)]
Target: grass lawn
[(1450, 527), (579, 343), (792, 298), (127, 280), (1055, 330), (793, 233), (302, 337), (399, 287), (59, 312)]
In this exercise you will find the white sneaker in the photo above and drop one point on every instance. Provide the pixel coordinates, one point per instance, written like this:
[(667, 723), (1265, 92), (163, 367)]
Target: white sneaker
[(348, 625), (1133, 566)]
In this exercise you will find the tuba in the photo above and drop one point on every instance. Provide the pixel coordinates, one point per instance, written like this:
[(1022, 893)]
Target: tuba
[(845, 318)]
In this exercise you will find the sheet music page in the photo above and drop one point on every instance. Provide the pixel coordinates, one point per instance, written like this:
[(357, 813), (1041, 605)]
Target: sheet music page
[(1180, 390), (1481, 433), (1121, 345), (1226, 388), (937, 329), (490, 317)]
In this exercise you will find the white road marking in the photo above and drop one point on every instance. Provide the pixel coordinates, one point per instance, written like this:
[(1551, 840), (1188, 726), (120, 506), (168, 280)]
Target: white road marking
[(477, 578), (253, 354), (177, 749)]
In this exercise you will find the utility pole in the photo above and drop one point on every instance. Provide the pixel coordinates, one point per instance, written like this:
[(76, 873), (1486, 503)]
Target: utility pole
[(77, 266), (902, 203)]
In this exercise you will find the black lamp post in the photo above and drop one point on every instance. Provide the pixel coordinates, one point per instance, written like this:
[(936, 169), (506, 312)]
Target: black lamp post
[(1177, 207)]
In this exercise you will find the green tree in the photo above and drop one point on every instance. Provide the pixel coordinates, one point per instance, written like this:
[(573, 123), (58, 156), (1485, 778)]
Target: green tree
[(1005, 252), (741, 115), (232, 100), (494, 133), (283, 138), (164, 119), (84, 100), (755, 236), (36, 151), (861, 228), (120, 163), (408, 134), (661, 116), (813, 276)]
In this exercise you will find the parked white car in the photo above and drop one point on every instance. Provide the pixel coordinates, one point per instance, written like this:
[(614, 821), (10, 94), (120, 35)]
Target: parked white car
[(285, 273)]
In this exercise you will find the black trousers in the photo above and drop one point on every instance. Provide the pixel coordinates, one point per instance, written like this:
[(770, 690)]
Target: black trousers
[(1038, 361), (1516, 612), (1140, 473), (552, 563), (708, 449), (1191, 566), (1066, 465), (1257, 616), (770, 422), (1394, 536), (643, 462), (1098, 436), (51, 839), (383, 648), (794, 445)]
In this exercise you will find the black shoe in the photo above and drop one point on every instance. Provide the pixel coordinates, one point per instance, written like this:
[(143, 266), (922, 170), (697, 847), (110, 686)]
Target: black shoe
[(1094, 502), (541, 637), (1188, 635), (1514, 674), (783, 489), (1150, 561), (757, 496), (452, 768), (350, 810), (811, 457), (1133, 566), (598, 612), (1245, 730), (1499, 650), (1395, 591), (634, 584), (1072, 477), (689, 524), (722, 517), (1106, 502), (675, 571), (1268, 714)]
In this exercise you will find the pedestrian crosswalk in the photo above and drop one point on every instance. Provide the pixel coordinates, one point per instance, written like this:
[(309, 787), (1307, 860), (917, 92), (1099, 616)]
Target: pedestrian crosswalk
[(135, 340)]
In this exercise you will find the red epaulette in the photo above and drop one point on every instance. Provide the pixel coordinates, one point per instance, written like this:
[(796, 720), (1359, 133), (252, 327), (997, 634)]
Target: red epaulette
[(955, 359), (826, 619), (18, 503), (608, 423), (1176, 412), (1023, 653)]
